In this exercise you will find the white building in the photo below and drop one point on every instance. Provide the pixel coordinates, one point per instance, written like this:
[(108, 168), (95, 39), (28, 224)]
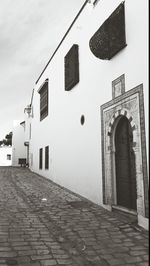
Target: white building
[(89, 122), (5, 155), (18, 147)]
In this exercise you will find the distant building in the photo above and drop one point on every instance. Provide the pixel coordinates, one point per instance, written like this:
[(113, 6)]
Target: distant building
[(88, 117), (5, 155), (18, 147)]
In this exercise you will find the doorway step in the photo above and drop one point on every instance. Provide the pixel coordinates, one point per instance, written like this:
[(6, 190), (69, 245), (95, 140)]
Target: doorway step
[(127, 215)]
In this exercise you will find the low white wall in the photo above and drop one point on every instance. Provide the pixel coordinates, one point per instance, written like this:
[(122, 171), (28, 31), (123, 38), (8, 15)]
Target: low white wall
[(5, 153), (18, 148)]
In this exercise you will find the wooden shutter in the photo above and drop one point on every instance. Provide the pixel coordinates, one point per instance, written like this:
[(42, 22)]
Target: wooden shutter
[(110, 37), (47, 157), (71, 68), (44, 101)]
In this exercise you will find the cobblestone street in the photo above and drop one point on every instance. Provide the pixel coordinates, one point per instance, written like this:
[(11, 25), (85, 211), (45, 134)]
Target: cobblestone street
[(42, 224)]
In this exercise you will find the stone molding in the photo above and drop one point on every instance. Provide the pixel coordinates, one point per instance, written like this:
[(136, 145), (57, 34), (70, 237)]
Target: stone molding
[(131, 105)]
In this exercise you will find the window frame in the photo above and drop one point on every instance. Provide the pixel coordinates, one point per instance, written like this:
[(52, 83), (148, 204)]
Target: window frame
[(44, 103), (71, 67)]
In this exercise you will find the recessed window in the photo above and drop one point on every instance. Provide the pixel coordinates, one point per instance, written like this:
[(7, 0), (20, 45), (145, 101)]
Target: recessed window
[(71, 68), (8, 156), (47, 157), (44, 100), (40, 158)]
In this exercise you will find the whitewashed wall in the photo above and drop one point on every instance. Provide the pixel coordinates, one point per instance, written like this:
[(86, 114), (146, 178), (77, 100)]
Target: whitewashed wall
[(4, 151), (27, 136), (18, 148), (75, 150)]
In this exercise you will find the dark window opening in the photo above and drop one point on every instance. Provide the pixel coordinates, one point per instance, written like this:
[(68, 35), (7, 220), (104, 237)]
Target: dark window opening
[(72, 68), (40, 158), (8, 156), (44, 101), (47, 157)]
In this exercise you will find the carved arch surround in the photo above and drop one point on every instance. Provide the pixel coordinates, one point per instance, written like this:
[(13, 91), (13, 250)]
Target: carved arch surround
[(112, 148), (121, 112), (130, 105)]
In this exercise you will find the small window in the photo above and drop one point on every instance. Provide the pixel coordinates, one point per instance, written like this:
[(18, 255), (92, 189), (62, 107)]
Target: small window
[(40, 158), (8, 156), (44, 100), (47, 157), (71, 68)]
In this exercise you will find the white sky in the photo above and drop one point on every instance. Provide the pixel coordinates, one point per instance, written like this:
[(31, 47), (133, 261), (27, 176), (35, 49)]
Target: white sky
[(30, 30)]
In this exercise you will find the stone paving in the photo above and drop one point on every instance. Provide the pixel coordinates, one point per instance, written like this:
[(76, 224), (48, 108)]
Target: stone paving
[(43, 224)]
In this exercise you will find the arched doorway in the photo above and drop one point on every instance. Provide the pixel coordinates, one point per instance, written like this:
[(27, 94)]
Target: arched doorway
[(126, 192)]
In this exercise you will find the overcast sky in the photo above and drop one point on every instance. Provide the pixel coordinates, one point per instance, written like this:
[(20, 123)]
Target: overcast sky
[(30, 30)]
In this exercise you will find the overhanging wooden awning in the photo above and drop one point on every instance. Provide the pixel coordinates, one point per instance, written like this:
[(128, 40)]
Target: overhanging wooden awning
[(110, 38)]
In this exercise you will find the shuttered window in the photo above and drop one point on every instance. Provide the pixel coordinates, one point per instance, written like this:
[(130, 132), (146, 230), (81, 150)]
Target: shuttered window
[(110, 38), (44, 100), (47, 157), (71, 68), (40, 158)]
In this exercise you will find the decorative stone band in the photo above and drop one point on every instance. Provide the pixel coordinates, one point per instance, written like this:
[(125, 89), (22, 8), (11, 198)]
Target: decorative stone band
[(121, 112), (111, 111)]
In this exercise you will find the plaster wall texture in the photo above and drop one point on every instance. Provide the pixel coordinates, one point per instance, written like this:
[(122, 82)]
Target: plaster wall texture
[(4, 151), (75, 150), (27, 129)]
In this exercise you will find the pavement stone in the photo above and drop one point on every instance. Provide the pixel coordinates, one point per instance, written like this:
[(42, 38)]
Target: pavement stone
[(64, 229)]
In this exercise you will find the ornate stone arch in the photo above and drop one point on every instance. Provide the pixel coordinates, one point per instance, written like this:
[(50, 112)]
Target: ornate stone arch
[(130, 105), (111, 140), (120, 112)]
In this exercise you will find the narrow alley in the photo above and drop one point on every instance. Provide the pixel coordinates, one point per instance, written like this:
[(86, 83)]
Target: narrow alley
[(43, 224)]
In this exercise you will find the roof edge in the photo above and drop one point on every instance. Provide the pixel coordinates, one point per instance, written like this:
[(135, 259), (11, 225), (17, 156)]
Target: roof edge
[(62, 39)]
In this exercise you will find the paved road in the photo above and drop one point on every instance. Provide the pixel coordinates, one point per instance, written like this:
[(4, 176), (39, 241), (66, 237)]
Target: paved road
[(65, 229)]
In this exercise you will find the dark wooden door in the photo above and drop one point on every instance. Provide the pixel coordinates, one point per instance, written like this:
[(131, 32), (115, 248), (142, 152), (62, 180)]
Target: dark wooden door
[(125, 165)]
